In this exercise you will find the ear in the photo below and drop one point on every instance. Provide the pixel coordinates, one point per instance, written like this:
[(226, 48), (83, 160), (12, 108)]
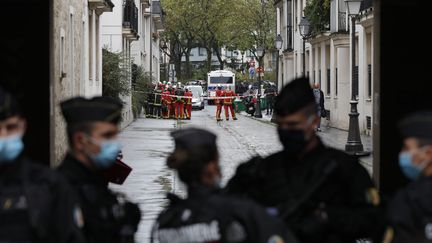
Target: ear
[(79, 141)]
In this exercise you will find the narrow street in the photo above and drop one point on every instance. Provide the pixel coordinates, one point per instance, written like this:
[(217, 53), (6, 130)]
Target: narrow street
[(147, 142)]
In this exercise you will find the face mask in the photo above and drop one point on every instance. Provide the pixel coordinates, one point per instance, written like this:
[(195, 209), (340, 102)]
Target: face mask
[(10, 148), (409, 169), (294, 141), (109, 151)]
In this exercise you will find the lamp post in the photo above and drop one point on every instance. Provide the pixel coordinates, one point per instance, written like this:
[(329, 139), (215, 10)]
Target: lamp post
[(164, 47), (305, 31), (259, 52), (354, 145), (278, 46)]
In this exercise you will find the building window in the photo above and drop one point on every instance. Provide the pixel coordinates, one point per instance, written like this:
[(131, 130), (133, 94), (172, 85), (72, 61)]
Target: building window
[(62, 54), (202, 52), (90, 47), (97, 51), (71, 52), (289, 31), (369, 81), (328, 83), (336, 82)]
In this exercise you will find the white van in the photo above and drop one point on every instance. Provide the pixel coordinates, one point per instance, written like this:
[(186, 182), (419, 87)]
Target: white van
[(197, 96)]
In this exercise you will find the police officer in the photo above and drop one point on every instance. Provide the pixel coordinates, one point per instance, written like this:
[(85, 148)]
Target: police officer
[(410, 212), (35, 202), (323, 194), (92, 128), (206, 215)]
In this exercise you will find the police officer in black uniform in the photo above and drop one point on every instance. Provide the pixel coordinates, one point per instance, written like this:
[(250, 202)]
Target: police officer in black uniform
[(207, 215), (35, 202), (410, 212), (92, 128), (323, 194)]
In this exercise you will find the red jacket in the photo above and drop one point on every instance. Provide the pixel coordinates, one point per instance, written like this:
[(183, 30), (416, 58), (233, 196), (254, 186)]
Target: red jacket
[(231, 94), (219, 93), (188, 100)]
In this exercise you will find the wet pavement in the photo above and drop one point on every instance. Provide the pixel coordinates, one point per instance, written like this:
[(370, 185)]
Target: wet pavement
[(146, 143)]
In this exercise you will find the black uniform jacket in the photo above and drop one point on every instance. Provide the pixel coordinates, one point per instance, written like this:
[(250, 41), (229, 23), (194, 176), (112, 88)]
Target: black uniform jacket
[(35, 205), (102, 213), (208, 216), (327, 196), (410, 213)]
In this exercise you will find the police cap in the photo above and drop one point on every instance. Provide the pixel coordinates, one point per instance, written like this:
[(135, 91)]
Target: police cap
[(294, 96), (417, 125), (190, 138), (80, 110), (8, 105)]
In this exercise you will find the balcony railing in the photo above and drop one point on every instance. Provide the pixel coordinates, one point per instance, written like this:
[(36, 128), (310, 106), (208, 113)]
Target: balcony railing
[(130, 15), (342, 25)]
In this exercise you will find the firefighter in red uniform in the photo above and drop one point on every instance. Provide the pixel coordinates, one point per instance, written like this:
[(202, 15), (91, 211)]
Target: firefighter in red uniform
[(219, 102), (188, 103), (179, 103), (228, 103), (173, 101), (166, 102)]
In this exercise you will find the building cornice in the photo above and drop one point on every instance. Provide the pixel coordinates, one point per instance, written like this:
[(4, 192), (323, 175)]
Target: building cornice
[(322, 37), (340, 40)]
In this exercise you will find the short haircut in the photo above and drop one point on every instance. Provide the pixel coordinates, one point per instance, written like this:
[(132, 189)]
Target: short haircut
[(72, 129)]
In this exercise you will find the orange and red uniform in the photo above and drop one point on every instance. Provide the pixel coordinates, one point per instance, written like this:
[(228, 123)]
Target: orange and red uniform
[(166, 100), (219, 102), (228, 104), (188, 104)]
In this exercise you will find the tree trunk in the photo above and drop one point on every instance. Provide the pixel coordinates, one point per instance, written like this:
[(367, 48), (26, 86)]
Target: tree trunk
[(219, 56), (188, 71), (209, 59)]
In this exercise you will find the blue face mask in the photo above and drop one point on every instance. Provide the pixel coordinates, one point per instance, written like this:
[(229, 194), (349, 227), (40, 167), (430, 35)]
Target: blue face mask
[(10, 149), (409, 169), (108, 154)]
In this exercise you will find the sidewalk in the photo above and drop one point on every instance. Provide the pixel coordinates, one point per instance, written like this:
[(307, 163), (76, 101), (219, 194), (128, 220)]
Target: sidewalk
[(333, 137)]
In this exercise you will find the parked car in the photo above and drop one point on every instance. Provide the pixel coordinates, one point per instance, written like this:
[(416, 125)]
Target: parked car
[(197, 96)]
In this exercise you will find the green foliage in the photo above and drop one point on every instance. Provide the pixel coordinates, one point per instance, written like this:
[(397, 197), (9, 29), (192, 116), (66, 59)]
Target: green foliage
[(318, 14), (114, 75), (212, 24), (142, 83)]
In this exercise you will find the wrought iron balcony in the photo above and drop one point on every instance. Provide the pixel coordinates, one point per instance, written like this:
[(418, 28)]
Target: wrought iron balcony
[(130, 19)]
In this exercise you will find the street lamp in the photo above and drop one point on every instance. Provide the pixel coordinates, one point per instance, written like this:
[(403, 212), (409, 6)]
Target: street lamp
[(259, 51), (354, 144), (278, 46), (305, 31), (164, 47)]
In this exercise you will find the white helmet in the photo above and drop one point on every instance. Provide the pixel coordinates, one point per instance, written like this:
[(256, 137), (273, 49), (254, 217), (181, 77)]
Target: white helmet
[(175, 86)]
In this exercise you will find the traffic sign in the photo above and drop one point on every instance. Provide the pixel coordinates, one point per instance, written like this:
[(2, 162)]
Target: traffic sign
[(260, 69)]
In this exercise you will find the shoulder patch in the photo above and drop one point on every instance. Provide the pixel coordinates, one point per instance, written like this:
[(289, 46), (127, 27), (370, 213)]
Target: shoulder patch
[(373, 197), (389, 235), (78, 217), (275, 239), (428, 231)]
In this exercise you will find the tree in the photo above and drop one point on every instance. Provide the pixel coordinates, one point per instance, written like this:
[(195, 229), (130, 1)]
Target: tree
[(114, 75), (318, 14), (142, 87), (257, 28)]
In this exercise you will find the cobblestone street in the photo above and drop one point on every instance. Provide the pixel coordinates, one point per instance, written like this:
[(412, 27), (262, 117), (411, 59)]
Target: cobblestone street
[(146, 143)]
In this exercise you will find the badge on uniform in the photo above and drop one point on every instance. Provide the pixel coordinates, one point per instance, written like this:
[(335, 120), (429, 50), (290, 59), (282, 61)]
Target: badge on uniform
[(372, 196), (78, 217)]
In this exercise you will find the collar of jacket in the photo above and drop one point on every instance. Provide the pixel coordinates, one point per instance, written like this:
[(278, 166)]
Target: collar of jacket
[(77, 172)]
